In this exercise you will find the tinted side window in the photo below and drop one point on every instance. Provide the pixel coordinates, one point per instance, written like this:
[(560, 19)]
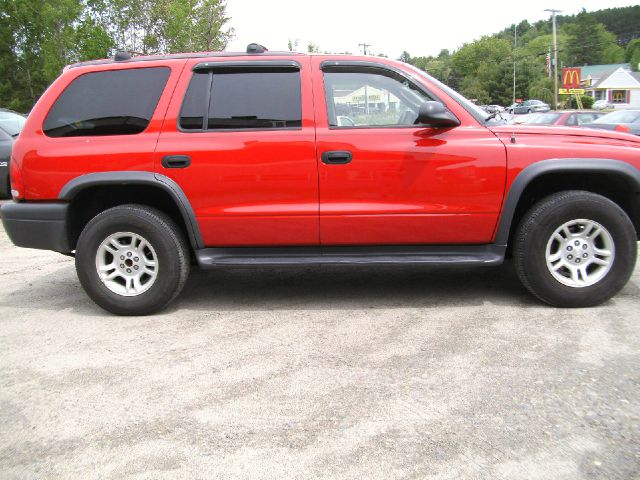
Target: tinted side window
[(243, 99), (116, 102)]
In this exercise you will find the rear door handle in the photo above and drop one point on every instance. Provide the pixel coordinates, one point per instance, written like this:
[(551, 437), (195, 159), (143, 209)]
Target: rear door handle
[(337, 157), (176, 161)]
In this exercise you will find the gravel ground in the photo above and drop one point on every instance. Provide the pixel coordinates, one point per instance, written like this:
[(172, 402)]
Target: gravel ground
[(354, 373)]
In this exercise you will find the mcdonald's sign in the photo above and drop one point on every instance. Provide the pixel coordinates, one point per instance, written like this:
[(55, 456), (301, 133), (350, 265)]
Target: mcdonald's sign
[(571, 77)]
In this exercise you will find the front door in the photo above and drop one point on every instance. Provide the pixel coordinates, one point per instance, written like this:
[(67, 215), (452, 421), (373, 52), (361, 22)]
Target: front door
[(239, 139), (385, 180)]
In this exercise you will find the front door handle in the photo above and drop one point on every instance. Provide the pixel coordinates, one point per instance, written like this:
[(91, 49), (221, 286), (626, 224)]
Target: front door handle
[(337, 157), (176, 161)]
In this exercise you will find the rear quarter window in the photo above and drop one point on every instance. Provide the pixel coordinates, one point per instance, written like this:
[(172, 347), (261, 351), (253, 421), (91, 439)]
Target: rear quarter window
[(114, 102)]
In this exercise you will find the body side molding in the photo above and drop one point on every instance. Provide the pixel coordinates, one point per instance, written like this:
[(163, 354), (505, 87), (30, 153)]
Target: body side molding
[(535, 170), (78, 184)]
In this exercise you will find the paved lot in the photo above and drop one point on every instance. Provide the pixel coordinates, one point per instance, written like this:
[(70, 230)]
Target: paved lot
[(363, 373)]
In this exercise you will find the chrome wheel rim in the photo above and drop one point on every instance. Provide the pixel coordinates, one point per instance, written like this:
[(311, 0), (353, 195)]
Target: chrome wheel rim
[(580, 253), (127, 264)]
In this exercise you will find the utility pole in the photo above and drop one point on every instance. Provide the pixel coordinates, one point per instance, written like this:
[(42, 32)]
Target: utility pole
[(515, 46), (555, 57), (364, 47)]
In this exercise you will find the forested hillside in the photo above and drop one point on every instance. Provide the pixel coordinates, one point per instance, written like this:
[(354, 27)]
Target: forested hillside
[(483, 69)]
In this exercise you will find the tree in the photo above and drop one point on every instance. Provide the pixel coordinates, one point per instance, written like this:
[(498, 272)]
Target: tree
[(589, 42), (633, 54), (292, 45), (38, 38), (313, 48), (405, 57)]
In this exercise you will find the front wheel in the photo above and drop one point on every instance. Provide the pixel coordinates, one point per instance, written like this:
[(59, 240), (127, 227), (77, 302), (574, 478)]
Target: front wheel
[(132, 260), (575, 249)]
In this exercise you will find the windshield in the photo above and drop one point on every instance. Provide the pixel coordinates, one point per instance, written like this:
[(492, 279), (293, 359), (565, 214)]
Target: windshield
[(544, 119), (479, 114), (11, 122), (623, 116)]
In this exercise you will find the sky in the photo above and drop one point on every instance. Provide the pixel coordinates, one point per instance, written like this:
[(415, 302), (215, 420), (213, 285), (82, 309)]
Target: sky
[(419, 27)]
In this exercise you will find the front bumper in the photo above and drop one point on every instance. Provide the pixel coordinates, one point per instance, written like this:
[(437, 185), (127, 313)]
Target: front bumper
[(37, 225)]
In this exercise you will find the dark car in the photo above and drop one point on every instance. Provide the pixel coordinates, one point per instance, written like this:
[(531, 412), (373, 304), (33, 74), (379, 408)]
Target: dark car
[(622, 121), (569, 118), (529, 106), (6, 143)]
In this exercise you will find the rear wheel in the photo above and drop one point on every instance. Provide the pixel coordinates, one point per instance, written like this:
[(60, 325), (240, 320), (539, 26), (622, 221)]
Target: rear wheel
[(132, 260), (575, 249)]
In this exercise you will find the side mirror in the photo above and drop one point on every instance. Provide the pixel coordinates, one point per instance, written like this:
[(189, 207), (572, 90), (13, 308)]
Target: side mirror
[(436, 115)]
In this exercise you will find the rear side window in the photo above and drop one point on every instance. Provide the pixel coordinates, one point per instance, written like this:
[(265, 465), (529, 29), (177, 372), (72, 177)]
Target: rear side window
[(242, 99), (116, 102)]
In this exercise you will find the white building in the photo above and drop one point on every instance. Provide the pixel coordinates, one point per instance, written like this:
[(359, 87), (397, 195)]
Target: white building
[(615, 83)]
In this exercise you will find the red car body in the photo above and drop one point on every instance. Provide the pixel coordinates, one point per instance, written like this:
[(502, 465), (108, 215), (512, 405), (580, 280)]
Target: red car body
[(410, 185)]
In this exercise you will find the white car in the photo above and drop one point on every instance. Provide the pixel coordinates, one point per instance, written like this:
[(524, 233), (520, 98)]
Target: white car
[(601, 104)]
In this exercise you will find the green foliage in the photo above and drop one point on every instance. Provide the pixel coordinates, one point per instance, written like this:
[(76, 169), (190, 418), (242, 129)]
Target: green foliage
[(483, 69), (589, 42), (586, 100), (405, 57), (633, 54), (542, 89), (38, 38)]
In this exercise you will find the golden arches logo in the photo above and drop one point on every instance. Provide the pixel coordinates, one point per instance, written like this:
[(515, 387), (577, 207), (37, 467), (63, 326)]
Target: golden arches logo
[(619, 96), (571, 77)]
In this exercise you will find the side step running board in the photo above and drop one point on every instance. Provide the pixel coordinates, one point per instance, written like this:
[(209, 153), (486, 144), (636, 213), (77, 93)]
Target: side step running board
[(435, 255)]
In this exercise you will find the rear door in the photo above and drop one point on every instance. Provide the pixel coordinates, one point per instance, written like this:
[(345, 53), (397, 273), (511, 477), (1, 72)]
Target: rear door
[(239, 139)]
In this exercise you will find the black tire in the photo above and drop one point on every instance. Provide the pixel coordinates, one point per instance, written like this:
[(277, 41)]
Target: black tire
[(529, 111), (170, 247), (537, 227)]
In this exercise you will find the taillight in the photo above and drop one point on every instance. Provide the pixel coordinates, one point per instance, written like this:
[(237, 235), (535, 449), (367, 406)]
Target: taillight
[(17, 187), (622, 128)]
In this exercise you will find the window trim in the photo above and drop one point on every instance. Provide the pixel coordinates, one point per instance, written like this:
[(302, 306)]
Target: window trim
[(241, 67), (363, 66), (74, 79)]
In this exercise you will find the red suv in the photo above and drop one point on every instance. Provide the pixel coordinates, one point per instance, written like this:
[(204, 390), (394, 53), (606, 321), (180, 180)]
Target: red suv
[(142, 166)]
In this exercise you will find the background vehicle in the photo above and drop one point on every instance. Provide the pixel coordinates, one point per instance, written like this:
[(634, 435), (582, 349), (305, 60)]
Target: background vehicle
[(529, 106), (627, 121), (11, 122), (6, 143), (492, 108), (140, 165), (570, 118), (602, 105)]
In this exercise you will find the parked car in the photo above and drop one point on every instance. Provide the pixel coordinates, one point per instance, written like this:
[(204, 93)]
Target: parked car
[(602, 105), (570, 118), (529, 106), (627, 121), (11, 122), (492, 108), (6, 142), (137, 166)]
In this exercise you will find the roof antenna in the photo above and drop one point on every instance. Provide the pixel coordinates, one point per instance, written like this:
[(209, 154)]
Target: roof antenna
[(256, 48), (122, 56)]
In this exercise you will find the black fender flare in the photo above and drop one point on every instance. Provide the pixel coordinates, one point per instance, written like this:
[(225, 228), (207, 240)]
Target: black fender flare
[(560, 165), (78, 184)]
